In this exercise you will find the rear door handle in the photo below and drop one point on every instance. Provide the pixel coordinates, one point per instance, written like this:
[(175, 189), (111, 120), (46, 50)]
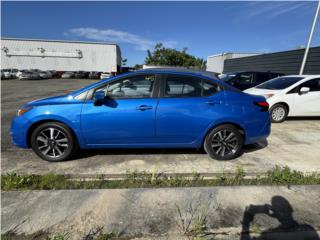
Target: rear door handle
[(144, 107), (213, 102)]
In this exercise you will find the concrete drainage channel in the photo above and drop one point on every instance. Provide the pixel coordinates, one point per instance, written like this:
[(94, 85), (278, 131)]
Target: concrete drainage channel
[(169, 213)]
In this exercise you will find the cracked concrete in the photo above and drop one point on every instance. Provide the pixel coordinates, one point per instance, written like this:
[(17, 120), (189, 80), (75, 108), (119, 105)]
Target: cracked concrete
[(158, 213)]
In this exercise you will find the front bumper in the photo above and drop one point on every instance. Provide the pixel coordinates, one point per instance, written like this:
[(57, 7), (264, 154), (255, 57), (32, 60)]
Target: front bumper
[(18, 131)]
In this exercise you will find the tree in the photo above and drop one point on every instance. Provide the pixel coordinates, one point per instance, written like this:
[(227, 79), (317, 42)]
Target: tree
[(162, 56), (138, 66), (124, 62)]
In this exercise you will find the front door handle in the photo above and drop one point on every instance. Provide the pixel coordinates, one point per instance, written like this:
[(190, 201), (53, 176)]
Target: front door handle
[(144, 107), (213, 102)]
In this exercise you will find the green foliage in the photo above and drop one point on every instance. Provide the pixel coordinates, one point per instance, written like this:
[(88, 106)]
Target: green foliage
[(35, 236), (284, 176), (153, 179), (162, 56), (138, 66), (56, 237), (124, 62)]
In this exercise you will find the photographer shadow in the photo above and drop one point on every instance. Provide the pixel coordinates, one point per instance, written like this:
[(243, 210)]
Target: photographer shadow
[(288, 228)]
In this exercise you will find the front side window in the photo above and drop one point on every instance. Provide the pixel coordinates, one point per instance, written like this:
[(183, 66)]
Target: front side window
[(188, 86), (313, 84), (138, 86)]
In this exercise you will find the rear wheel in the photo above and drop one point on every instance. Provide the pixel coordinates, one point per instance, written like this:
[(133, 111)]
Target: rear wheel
[(53, 142), (278, 113), (224, 142)]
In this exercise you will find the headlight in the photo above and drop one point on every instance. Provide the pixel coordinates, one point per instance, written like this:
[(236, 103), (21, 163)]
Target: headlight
[(23, 111), (268, 95)]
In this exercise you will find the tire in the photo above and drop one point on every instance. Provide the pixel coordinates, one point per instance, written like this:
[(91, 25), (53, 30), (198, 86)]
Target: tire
[(278, 113), (224, 142), (53, 142)]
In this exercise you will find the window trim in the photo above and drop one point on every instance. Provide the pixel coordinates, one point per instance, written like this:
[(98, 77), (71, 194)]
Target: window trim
[(163, 81)]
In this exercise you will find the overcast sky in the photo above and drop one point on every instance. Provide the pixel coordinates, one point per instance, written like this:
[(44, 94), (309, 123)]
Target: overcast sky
[(205, 28)]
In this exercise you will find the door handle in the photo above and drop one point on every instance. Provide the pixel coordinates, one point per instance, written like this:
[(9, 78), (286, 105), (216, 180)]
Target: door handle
[(213, 102), (144, 107)]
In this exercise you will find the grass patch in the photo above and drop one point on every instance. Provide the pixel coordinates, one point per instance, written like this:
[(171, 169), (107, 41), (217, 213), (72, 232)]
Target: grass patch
[(41, 235), (277, 176), (35, 236)]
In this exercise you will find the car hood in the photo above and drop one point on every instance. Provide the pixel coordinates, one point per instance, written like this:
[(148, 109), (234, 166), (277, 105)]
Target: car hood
[(62, 99)]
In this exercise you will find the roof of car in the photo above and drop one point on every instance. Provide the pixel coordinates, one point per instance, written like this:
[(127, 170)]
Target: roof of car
[(305, 75), (180, 70), (236, 72)]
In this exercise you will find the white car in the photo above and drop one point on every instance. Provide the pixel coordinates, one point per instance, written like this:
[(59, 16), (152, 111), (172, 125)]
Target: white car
[(295, 95), (10, 73), (105, 75)]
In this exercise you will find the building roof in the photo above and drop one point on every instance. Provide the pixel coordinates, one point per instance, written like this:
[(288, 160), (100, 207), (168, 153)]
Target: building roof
[(226, 53), (60, 41)]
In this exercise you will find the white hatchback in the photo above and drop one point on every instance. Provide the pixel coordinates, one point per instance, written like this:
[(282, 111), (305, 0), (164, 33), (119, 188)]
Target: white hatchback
[(294, 95)]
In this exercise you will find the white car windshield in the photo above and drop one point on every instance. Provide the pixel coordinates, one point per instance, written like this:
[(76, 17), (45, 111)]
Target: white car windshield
[(279, 83)]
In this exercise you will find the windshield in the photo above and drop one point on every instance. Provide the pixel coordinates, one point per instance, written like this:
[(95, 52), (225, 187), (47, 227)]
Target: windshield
[(279, 83), (227, 77)]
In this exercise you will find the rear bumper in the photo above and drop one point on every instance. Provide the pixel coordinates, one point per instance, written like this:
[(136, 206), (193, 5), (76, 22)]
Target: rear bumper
[(258, 130)]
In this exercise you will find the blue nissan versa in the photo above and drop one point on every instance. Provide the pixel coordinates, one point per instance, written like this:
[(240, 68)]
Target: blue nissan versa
[(155, 108)]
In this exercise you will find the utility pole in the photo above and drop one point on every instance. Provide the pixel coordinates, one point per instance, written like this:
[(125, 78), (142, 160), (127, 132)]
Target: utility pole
[(309, 41)]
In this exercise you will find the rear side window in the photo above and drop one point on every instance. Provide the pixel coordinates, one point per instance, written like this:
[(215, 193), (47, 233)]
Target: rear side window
[(262, 77), (187, 86), (244, 78), (209, 88), (275, 75)]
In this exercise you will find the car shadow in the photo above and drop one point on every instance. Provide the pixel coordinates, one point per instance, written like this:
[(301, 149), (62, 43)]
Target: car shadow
[(85, 153), (303, 118)]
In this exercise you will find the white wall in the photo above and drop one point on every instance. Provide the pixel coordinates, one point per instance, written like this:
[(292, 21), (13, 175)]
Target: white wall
[(59, 55), (215, 63)]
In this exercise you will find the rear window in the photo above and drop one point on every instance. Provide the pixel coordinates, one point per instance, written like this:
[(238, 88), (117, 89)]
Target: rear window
[(188, 86), (279, 83)]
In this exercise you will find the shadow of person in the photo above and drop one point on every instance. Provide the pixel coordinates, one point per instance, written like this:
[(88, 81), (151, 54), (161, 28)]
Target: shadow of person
[(288, 228)]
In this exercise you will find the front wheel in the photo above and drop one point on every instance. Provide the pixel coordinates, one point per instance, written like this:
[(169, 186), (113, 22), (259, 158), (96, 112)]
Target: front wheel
[(53, 142), (224, 142)]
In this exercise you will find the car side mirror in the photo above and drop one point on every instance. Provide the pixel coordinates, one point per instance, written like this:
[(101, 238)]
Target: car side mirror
[(98, 98), (304, 90)]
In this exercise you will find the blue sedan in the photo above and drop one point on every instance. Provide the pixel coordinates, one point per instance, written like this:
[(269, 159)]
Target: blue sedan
[(155, 108)]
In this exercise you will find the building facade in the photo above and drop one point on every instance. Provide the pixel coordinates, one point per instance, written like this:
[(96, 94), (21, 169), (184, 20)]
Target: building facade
[(60, 55), (287, 62), (215, 63)]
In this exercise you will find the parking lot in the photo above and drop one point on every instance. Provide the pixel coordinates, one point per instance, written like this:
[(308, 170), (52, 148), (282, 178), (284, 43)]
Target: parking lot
[(294, 143)]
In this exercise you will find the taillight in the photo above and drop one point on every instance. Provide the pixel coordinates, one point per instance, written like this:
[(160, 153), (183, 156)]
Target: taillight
[(264, 106)]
